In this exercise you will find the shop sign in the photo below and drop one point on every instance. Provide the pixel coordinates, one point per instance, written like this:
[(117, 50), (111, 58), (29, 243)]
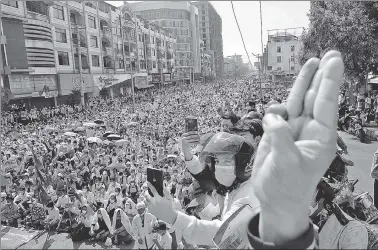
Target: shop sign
[(109, 80), (167, 77)]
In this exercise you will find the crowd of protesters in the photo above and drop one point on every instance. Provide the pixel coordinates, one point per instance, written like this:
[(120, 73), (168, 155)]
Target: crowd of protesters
[(83, 170)]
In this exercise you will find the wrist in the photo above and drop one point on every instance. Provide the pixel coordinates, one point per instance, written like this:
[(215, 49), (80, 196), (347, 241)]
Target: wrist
[(280, 225)]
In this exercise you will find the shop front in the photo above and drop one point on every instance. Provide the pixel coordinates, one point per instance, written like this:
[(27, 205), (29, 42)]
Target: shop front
[(69, 82), (118, 84)]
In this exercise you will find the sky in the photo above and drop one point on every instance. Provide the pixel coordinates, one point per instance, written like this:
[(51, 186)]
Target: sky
[(275, 15)]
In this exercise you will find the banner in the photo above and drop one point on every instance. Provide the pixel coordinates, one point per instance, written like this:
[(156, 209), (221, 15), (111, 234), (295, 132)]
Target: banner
[(108, 80)]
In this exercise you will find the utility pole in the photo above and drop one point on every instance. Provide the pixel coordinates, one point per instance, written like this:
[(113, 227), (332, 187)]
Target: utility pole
[(235, 66), (80, 66), (260, 80)]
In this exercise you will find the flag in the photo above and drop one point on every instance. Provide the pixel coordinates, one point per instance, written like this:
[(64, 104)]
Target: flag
[(44, 198), (38, 165)]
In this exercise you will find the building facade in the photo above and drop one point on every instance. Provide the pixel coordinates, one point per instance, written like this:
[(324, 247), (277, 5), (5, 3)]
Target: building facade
[(210, 29), (280, 54), (181, 19), (46, 40)]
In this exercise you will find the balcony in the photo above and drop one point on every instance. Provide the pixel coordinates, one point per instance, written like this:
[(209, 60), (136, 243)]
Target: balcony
[(108, 51), (106, 34), (128, 23), (37, 16), (76, 4)]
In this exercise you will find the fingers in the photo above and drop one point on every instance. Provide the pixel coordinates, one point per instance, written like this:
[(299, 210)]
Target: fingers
[(297, 94), (326, 102), (167, 194), (278, 109), (313, 90), (263, 151), (153, 190)]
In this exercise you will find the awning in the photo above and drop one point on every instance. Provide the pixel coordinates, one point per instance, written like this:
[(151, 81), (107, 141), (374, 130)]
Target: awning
[(142, 86)]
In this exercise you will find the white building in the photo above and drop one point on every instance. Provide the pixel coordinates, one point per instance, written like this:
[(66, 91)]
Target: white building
[(282, 51)]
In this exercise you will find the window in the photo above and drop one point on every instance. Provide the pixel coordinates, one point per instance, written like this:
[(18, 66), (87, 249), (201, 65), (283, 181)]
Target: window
[(73, 18), (121, 64), (292, 58), (37, 7), (61, 35), (278, 49), (203, 35), (63, 58), (140, 38), (203, 30), (153, 40), (92, 22), (154, 64), (203, 24), (292, 48), (278, 59), (95, 61), (141, 52), (10, 3), (153, 52), (58, 12), (93, 41), (90, 5), (269, 67), (292, 68)]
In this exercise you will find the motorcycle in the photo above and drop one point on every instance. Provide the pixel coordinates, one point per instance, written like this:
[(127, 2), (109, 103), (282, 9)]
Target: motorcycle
[(356, 204), (338, 168)]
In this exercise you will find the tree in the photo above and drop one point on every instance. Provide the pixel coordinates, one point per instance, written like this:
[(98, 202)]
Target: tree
[(75, 97), (104, 93), (349, 27), (6, 96)]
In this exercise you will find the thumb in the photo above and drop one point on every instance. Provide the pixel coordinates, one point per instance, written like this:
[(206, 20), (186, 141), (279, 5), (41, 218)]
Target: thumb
[(282, 144)]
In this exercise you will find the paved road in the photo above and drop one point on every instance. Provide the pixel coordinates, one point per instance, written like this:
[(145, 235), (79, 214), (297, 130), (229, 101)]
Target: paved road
[(362, 156)]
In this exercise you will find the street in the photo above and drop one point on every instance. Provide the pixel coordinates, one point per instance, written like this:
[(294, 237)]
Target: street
[(362, 155)]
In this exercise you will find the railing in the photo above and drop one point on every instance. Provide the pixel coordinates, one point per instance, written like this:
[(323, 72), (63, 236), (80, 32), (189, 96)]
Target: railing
[(128, 23), (108, 50), (106, 33), (37, 16), (75, 4)]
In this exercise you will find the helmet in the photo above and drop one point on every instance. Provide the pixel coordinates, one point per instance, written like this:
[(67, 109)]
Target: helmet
[(232, 146)]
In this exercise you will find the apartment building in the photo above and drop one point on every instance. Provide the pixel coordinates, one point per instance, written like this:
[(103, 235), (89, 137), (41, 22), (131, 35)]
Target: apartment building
[(281, 52), (45, 40), (210, 29), (181, 19)]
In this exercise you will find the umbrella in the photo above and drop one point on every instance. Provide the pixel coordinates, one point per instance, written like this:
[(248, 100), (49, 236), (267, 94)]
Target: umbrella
[(67, 130), (90, 124), (78, 129), (121, 142), (49, 128), (107, 133), (70, 134), (94, 140), (171, 156), (116, 166), (99, 121), (131, 124), (114, 137)]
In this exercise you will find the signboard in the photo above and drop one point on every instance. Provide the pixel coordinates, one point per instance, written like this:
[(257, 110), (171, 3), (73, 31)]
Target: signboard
[(149, 78), (47, 93), (107, 80), (156, 78), (167, 77)]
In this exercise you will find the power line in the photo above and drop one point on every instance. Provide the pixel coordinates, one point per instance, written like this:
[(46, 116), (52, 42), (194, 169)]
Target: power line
[(233, 10)]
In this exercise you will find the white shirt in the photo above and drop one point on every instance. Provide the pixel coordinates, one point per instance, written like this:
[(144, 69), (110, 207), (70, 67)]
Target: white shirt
[(165, 241), (201, 232), (63, 201)]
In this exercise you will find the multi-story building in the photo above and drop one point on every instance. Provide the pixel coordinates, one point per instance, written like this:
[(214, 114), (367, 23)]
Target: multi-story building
[(232, 65), (44, 42), (210, 28), (181, 18), (206, 63), (281, 52)]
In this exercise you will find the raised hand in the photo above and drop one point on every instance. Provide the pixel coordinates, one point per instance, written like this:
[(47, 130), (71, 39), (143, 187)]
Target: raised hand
[(293, 155)]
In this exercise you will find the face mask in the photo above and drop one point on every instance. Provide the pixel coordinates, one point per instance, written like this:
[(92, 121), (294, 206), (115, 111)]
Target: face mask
[(209, 212), (225, 175)]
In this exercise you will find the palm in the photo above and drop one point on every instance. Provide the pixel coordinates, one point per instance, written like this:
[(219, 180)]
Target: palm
[(290, 164)]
